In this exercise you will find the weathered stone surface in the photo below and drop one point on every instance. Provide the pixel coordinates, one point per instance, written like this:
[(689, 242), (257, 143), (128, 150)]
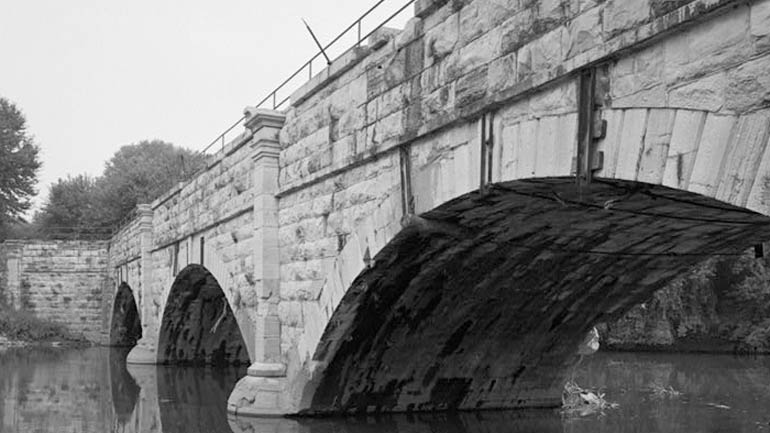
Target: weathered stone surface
[(480, 16), (685, 138), (584, 32), (497, 359), (704, 93), (620, 15), (748, 86), (708, 47), (370, 193), (760, 24), (62, 281), (657, 139)]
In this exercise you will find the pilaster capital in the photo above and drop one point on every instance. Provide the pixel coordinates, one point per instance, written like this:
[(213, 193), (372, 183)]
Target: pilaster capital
[(144, 214), (264, 126), (259, 118)]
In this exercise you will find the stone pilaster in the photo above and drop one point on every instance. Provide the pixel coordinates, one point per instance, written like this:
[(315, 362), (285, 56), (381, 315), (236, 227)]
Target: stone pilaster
[(13, 256), (261, 392), (145, 351)]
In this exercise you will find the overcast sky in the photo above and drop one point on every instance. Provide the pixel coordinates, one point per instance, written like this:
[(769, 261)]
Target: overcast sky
[(93, 75)]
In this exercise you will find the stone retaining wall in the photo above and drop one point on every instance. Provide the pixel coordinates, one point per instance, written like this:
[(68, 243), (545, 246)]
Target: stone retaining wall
[(61, 281)]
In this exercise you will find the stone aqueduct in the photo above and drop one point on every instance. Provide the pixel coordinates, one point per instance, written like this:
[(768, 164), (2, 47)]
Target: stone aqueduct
[(442, 214)]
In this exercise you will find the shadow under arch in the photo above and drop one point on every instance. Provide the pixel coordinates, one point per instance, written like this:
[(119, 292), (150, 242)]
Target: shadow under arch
[(198, 325), (126, 326), (481, 302)]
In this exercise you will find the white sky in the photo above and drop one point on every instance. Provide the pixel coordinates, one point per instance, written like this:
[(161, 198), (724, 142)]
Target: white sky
[(93, 75)]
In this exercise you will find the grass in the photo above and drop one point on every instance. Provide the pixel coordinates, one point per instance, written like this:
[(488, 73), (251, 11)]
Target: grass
[(23, 326)]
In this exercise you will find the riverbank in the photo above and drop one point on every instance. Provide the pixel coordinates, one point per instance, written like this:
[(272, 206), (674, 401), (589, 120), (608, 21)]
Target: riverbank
[(22, 329), (721, 306)]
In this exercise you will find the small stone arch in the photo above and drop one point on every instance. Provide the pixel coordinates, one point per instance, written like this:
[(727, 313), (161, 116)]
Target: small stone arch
[(198, 325), (125, 323)]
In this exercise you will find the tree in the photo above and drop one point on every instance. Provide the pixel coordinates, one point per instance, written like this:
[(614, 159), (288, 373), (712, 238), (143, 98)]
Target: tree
[(72, 209), (140, 173), (19, 164)]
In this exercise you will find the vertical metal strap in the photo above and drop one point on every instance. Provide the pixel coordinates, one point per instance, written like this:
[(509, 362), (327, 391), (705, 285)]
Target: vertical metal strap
[(407, 198), (487, 142), (586, 106), (203, 246)]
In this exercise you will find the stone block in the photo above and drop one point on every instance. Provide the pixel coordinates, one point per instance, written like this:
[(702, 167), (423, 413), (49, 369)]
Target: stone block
[(584, 32), (480, 16), (413, 29), (631, 143), (441, 39), (519, 30), (657, 137), (381, 36), (547, 51), (707, 93), (710, 46), (711, 151), (558, 99), (479, 52), (502, 73), (743, 157), (748, 86), (650, 97), (338, 67), (760, 24), (620, 15), (471, 87), (385, 132), (424, 8)]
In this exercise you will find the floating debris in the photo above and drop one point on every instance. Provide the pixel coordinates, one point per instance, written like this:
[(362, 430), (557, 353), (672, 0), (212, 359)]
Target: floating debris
[(660, 391), (582, 402)]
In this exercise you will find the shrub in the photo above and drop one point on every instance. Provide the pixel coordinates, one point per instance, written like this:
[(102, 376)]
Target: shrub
[(23, 326)]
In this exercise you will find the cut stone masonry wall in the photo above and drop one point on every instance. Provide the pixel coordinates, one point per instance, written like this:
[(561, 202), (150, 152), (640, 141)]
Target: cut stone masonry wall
[(61, 281)]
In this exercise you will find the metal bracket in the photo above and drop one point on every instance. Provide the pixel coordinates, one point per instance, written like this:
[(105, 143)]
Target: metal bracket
[(487, 142), (407, 197), (591, 127), (597, 162)]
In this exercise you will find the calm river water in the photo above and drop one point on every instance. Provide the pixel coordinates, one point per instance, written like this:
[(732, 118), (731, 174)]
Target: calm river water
[(91, 390)]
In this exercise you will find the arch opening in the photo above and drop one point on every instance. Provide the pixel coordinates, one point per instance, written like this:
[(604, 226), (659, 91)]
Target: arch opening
[(198, 326), (481, 303), (126, 326)]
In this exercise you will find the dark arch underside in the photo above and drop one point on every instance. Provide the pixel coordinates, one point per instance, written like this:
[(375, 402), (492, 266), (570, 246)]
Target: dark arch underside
[(482, 302), (198, 324), (126, 328)]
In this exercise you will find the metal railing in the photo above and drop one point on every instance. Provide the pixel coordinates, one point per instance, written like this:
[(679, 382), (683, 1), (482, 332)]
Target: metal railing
[(272, 99), (81, 233)]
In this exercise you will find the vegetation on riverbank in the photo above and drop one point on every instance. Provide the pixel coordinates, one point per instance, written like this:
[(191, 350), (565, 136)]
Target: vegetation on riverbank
[(22, 328), (722, 305)]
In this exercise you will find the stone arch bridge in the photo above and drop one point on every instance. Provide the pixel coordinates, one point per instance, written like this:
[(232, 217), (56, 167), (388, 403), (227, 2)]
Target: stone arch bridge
[(442, 214)]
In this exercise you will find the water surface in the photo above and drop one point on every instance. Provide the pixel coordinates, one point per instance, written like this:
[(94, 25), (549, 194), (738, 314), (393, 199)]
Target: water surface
[(93, 390)]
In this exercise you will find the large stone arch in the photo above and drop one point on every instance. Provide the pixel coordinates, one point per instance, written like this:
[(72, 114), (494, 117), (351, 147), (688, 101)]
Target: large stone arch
[(125, 320), (676, 185), (198, 325)]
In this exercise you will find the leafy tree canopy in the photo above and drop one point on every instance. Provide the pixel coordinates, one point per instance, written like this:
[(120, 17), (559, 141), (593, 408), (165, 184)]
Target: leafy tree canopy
[(19, 163), (72, 203), (136, 173), (142, 172)]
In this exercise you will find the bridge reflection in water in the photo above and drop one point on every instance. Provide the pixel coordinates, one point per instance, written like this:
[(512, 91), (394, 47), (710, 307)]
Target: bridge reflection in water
[(92, 391)]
